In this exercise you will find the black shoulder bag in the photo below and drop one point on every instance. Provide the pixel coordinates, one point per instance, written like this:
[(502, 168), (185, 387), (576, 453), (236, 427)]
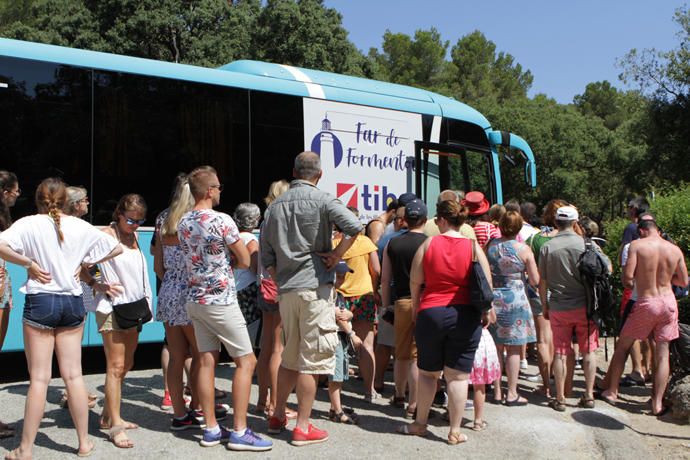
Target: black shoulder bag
[(134, 314), (481, 294)]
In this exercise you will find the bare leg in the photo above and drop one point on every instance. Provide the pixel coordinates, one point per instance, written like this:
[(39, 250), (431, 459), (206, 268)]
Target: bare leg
[(498, 391), (287, 380), (306, 393), (205, 386), (365, 331), (544, 351), (559, 370), (589, 365), (382, 355), (38, 347), (241, 389), (334, 395), (661, 374), (615, 370), (636, 358), (457, 383), (512, 371), (276, 359), (401, 373), (426, 389), (68, 351), (178, 348), (263, 373), (479, 398), (569, 374), (119, 349), (647, 354), (165, 363)]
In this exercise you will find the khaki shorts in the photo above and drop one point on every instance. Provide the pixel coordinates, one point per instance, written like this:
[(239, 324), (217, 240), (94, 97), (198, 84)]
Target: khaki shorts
[(106, 322), (405, 346), (310, 334), (220, 324)]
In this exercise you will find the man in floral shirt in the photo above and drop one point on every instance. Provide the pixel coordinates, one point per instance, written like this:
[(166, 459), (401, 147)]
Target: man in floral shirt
[(208, 239)]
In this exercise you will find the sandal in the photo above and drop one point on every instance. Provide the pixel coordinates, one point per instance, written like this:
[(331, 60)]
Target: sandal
[(118, 437), (455, 437), (479, 426), (348, 417), (557, 405), (419, 430), (586, 403), (411, 414), (519, 401)]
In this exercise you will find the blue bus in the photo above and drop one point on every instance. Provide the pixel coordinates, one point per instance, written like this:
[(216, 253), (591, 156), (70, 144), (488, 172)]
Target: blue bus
[(117, 124)]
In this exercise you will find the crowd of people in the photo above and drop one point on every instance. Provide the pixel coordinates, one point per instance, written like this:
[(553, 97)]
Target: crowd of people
[(326, 288)]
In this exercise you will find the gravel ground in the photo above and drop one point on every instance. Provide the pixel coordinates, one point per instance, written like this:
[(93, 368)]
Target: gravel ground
[(533, 431)]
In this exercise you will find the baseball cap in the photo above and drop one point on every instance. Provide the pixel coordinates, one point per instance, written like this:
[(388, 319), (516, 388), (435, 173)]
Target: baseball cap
[(406, 198), (415, 209), (566, 213)]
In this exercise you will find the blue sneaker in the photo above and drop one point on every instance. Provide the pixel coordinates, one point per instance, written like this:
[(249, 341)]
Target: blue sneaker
[(211, 439), (250, 441)]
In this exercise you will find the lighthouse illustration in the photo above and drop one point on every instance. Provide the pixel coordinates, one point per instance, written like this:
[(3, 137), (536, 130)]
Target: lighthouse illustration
[(327, 144)]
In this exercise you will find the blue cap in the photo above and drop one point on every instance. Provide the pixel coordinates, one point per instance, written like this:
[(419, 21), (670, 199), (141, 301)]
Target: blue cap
[(342, 268), (415, 209), (406, 198)]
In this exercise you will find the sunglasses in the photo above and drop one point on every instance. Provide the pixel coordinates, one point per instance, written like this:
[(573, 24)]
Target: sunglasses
[(134, 222)]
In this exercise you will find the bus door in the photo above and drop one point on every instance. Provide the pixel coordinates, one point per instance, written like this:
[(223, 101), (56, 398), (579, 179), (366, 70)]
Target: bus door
[(453, 166)]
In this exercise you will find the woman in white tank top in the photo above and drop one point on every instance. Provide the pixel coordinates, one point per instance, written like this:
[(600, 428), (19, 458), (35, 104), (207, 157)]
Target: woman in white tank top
[(129, 272)]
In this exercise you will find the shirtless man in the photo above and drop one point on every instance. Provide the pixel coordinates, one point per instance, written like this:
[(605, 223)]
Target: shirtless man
[(654, 265)]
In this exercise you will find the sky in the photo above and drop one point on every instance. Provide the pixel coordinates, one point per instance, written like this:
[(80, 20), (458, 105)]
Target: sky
[(565, 44)]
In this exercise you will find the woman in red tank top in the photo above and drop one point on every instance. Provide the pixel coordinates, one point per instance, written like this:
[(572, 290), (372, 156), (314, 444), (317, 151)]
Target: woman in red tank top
[(448, 328)]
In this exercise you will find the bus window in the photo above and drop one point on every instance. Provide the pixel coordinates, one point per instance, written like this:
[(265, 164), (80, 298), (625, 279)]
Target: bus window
[(145, 124), (44, 110)]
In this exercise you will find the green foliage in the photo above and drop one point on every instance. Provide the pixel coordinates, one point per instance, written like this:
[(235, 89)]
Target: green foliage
[(305, 34), (671, 210)]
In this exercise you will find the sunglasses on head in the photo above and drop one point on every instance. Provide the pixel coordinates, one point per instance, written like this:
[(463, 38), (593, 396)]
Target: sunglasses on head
[(134, 221)]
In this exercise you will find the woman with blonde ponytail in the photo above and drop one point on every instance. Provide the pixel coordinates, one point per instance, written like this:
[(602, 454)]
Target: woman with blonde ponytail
[(169, 265), (52, 247)]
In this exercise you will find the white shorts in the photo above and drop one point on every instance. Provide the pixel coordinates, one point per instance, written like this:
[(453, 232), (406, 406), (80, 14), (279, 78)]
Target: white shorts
[(220, 324)]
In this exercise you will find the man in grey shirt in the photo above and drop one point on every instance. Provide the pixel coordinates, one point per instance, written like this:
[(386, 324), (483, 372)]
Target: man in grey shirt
[(564, 300), (297, 251)]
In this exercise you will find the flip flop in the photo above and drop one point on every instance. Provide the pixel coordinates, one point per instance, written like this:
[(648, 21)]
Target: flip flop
[(405, 429), (455, 437), (519, 401), (479, 427), (600, 396), (120, 443)]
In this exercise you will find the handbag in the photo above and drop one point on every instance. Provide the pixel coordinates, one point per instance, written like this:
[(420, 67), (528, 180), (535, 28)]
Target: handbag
[(481, 294), (134, 314), (269, 290)]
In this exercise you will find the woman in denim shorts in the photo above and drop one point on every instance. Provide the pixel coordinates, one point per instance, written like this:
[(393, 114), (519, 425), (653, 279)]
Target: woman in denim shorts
[(52, 247)]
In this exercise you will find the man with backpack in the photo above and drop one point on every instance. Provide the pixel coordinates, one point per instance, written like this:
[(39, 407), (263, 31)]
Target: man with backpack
[(654, 266), (563, 294)]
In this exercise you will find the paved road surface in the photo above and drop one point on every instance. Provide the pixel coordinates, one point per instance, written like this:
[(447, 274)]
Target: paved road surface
[(534, 431)]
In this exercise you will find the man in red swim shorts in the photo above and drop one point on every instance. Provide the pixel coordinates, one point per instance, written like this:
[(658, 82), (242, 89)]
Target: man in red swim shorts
[(654, 265)]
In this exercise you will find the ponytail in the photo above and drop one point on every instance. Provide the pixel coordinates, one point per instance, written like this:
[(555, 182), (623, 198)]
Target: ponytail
[(51, 196)]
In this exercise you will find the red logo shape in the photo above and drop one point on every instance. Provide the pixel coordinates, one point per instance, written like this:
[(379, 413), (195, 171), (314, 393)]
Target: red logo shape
[(347, 193)]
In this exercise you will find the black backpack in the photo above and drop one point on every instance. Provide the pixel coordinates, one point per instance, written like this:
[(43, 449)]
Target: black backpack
[(596, 276)]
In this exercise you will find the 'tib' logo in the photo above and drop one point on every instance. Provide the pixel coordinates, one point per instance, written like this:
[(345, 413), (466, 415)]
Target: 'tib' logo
[(327, 144)]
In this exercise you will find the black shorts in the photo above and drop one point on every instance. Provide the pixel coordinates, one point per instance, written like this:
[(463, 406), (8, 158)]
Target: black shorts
[(447, 336)]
